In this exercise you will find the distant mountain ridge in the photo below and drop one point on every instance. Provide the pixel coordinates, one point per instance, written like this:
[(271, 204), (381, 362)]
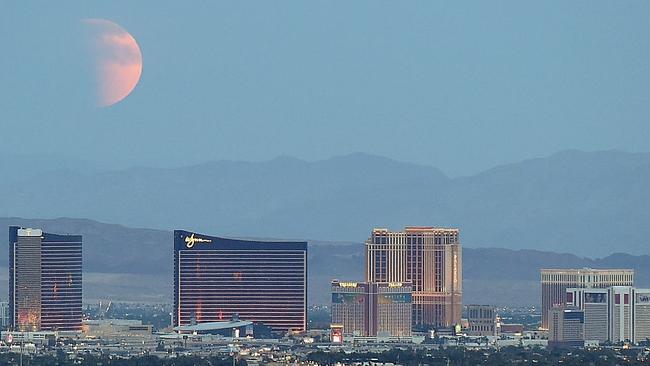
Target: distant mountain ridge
[(126, 264), (590, 204)]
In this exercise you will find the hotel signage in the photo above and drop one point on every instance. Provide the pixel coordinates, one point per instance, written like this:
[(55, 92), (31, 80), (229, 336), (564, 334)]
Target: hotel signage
[(347, 284), (595, 298), (191, 240), (643, 298)]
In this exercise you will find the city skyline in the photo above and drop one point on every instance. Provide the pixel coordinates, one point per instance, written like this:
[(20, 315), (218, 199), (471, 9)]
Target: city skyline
[(245, 291), (320, 183)]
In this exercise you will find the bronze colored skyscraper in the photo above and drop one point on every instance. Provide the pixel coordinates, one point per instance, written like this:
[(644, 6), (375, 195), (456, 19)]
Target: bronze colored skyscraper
[(44, 280), (427, 257)]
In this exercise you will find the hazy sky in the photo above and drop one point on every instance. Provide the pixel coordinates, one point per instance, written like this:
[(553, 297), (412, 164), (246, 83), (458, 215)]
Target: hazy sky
[(459, 86)]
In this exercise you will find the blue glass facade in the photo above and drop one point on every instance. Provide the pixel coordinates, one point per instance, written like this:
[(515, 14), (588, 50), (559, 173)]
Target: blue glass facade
[(45, 280), (262, 281)]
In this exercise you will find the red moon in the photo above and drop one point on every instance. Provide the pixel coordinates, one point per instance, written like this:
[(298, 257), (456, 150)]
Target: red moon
[(117, 60)]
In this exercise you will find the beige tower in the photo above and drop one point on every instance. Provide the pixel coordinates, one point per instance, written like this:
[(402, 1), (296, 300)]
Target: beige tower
[(427, 257), (556, 281)]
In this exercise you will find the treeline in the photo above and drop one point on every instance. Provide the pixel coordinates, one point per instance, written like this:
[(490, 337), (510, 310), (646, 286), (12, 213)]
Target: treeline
[(458, 356), (89, 360)]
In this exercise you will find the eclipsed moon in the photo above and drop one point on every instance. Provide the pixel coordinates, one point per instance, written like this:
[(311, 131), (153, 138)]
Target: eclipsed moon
[(117, 60)]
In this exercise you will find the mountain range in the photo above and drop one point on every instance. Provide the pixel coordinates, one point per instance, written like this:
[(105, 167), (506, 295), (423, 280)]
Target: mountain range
[(127, 264), (585, 203)]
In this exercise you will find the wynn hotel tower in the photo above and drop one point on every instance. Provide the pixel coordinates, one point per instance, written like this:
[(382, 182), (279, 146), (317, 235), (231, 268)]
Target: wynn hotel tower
[(427, 257), (260, 281)]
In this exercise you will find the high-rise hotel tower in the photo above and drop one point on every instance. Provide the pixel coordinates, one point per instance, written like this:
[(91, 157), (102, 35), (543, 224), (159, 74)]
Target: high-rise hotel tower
[(261, 281), (44, 280), (556, 281), (430, 259)]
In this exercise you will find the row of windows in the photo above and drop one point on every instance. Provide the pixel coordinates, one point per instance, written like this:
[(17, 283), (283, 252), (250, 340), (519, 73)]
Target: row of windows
[(246, 305), (50, 250), (61, 289), (575, 278), (205, 254), (68, 298), (61, 285), (237, 291), (295, 312), (61, 301), (209, 285), (264, 317), (220, 257), (233, 268), (239, 279), (256, 258), (61, 260), (252, 301), (229, 270), (260, 251), (59, 281), (269, 319)]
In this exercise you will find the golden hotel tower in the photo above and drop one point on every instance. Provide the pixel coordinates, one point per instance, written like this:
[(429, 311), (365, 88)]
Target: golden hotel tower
[(427, 257)]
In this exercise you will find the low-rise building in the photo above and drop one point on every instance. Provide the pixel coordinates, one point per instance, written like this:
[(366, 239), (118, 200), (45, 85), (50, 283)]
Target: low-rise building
[(481, 320), (370, 309), (106, 328)]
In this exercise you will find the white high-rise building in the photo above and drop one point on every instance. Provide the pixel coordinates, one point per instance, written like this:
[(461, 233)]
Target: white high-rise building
[(641, 315), (621, 313), (595, 303), (615, 314)]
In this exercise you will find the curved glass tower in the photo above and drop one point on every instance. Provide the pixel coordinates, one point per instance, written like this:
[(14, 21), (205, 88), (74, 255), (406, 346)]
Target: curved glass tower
[(261, 281)]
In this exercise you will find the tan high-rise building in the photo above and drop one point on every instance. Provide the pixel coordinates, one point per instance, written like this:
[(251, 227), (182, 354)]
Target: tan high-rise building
[(556, 281), (427, 257)]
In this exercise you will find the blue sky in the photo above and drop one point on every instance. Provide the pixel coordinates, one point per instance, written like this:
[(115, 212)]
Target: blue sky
[(461, 86)]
